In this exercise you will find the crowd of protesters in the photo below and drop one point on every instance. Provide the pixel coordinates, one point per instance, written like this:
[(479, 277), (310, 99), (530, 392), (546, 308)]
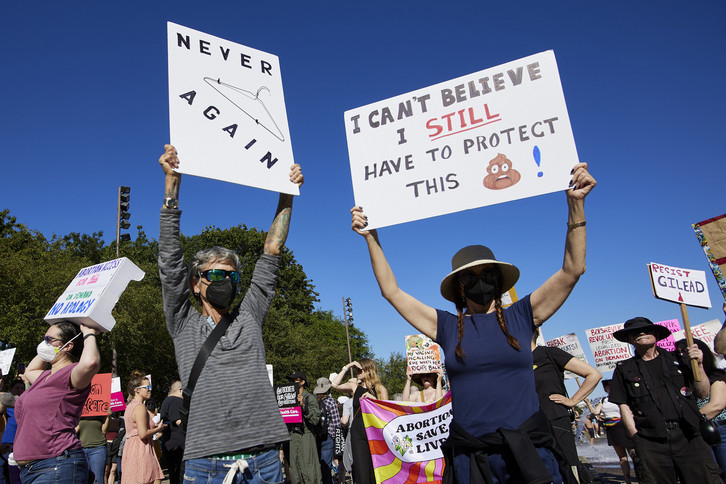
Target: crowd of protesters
[(512, 416)]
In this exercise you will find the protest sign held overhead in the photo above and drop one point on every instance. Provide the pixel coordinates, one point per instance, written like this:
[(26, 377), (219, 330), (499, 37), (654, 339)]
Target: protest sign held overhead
[(684, 286), (569, 343), (93, 293), (405, 439), (496, 135), (422, 354), (605, 348), (227, 111), (99, 399), (6, 359), (287, 401), (706, 332), (711, 235)]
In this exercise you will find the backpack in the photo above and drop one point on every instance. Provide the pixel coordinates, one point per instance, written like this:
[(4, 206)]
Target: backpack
[(321, 428)]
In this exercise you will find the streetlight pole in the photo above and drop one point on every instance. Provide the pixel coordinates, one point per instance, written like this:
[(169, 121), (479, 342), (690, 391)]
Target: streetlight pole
[(348, 317)]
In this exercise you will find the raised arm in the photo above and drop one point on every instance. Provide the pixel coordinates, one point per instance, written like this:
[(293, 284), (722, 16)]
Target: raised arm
[(552, 294), (89, 362), (418, 314), (34, 369), (169, 161), (439, 384), (350, 385), (280, 227)]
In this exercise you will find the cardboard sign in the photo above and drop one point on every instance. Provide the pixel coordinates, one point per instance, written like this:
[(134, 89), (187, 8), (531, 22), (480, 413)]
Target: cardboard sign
[(405, 439), (287, 401), (118, 402), (570, 344), (99, 399), (706, 332), (669, 343), (422, 354), (93, 293), (6, 359), (493, 136), (605, 348), (227, 111), (679, 285), (509, 298), (711, 235)]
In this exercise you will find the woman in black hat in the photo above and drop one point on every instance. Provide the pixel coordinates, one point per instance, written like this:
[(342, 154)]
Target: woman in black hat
[(491, 376)]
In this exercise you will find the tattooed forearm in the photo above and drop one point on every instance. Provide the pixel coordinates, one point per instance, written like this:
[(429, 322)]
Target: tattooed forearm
[(280, 226)]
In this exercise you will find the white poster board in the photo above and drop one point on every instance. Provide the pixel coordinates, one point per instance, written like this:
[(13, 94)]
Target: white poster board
[(227, 111), (606, 350), (93, 293), (679, 285), (569, 343), (706, 332), (493, 136), (6, 359)]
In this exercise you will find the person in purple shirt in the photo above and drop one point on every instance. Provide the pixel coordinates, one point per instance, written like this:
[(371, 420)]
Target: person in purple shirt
[(496, 417), (46, 446)]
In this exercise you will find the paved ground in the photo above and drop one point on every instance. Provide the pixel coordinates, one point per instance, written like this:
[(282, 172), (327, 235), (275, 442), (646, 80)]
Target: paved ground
[(604, 459)]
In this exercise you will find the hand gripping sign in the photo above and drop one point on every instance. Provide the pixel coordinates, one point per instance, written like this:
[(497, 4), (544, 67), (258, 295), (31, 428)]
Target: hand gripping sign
[(496, 135), (93, 293)]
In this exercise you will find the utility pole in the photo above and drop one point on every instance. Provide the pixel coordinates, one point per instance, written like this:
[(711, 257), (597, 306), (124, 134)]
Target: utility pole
[(348, 317), (122, 216)]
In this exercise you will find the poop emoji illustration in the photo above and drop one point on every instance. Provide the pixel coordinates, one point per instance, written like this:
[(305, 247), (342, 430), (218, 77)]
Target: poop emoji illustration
[(500, 173)]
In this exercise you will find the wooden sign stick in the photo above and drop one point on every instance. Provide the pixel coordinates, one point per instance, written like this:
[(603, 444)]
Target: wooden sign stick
[(689, 340)]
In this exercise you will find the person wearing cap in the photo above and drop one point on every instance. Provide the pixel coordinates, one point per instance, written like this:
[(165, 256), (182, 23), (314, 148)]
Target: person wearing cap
[(303, 456), (485, 348), (231, 429), (657, 399), (326, 442)]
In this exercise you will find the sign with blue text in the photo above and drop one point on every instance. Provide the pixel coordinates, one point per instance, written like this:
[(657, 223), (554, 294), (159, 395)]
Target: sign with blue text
[(227, 112), (93, 293), (679, 285), (496, 135)]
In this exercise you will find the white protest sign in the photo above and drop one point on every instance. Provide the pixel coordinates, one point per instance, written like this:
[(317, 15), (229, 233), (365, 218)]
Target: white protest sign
[(679, 285), (93, 293), (422, 354), (569, 344), (605, 348), (6, 359), (706, 332), (493, 136), (227, 111)]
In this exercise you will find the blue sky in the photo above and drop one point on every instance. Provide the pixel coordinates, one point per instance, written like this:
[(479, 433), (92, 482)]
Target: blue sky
[(85, 109)]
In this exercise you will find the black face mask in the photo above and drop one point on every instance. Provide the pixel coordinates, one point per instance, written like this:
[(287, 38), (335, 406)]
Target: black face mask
[(480, 290), (220, 294)]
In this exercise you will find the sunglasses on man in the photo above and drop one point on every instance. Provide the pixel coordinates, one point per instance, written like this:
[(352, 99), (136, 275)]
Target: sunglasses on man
[(213, 275)]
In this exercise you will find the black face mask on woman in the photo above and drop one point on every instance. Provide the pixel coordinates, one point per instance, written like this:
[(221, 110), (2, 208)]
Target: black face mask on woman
[(482, 289), (220, 294)]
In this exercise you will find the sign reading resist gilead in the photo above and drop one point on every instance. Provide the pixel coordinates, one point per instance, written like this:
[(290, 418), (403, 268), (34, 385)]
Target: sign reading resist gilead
[(496, 135), (227, 111), (679, 285)]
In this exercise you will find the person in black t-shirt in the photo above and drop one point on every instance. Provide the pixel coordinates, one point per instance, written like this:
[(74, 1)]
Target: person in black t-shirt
[(657, 405), (549, 365), (172, 440)]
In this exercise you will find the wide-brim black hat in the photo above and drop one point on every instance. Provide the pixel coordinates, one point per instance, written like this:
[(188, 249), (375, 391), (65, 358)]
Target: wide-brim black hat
[(474, 255), (298, 374), (638, 325)]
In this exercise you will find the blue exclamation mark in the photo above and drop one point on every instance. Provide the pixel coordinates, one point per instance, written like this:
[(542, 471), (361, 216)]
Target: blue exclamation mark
[(537, 159)]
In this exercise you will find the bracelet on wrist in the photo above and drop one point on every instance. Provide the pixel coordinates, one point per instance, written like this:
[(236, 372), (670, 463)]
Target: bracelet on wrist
[(89, 334), (577, 224)]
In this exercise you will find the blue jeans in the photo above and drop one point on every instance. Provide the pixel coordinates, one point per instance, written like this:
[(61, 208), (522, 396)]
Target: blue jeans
[(502, 466), (263, 468), (68, 468), (327, 447), (719, 452), (96, 457)]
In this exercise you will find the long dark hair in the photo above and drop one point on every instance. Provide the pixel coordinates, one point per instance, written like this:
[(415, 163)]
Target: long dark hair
[(709, 360), (461, 305), (68, 331)]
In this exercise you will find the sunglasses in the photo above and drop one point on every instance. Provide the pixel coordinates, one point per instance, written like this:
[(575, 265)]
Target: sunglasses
[(50, 339), (213, 275), (488, 275), (148, 387)]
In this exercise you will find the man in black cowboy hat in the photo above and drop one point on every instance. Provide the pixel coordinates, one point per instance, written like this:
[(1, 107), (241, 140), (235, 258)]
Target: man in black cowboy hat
[(656, 394)]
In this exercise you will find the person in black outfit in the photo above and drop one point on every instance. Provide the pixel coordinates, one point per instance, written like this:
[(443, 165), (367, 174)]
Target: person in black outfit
[(549, 365), (172, 440), (657, 397)]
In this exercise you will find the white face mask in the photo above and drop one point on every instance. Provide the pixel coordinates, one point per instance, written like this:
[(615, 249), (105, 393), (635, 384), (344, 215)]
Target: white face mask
[(48, 352)]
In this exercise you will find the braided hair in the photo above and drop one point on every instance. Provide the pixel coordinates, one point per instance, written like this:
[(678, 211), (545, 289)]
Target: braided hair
[(461, 305)]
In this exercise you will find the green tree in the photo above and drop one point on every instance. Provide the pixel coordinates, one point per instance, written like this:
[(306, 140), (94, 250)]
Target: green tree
[(392, 372)]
